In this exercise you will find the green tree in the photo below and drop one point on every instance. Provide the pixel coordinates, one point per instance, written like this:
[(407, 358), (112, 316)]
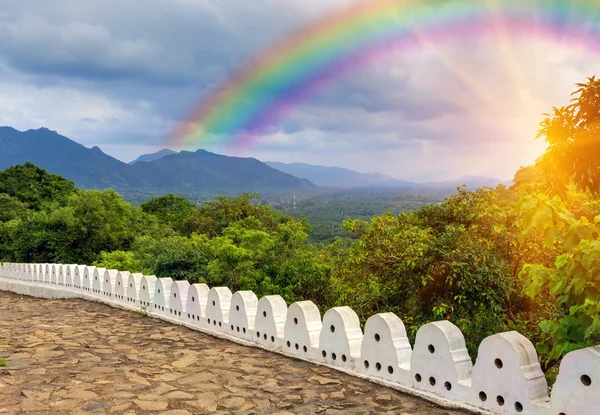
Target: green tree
[(172, 210), (34, 186)]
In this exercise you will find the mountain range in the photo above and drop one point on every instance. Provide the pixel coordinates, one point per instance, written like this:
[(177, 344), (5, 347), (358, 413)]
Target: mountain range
[(191, 173), (185, 172)]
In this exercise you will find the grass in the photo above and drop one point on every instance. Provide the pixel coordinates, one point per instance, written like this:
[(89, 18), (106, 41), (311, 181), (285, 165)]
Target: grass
[(2, 362)]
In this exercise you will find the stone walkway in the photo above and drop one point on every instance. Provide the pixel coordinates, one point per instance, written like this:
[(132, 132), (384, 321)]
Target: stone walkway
[(78, 357)]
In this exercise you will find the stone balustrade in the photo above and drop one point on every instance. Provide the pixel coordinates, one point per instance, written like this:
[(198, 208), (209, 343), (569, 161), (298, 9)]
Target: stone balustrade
[(505, 379)]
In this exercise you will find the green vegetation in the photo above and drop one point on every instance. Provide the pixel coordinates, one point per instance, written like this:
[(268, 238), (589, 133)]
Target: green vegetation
[(2, 362), (523, 258)]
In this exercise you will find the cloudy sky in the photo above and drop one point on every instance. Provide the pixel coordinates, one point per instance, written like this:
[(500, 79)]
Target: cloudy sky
[(120, 74)]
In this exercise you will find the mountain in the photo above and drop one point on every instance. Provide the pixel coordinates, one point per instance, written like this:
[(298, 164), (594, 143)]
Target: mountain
[(88, 167), (202, 170), (331, 176), (154, 156), (189, 173)]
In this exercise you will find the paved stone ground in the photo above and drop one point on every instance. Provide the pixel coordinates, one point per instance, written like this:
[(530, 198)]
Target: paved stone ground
[(78, 357)]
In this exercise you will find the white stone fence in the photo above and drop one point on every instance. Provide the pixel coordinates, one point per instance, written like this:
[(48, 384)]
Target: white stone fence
[(505, 379)]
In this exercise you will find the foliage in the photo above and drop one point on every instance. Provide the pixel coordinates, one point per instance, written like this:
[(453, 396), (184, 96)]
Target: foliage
[(573, 281), (171, 210), (11, 208), (90, 222), (120, 260), (447, 261), (573, 154), (33, 186)]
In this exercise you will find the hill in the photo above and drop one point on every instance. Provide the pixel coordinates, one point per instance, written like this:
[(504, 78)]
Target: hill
[(336, 177)]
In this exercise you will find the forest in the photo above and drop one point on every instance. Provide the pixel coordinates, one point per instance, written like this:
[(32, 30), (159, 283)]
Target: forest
[(525, 257)]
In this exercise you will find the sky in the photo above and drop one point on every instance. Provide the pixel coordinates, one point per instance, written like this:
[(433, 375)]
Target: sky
[(120, 75)]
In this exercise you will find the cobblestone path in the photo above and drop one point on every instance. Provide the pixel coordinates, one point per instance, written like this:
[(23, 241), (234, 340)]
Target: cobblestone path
[(79, 357)]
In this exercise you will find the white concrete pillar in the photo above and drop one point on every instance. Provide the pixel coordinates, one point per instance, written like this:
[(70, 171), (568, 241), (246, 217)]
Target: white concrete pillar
[(133, 289), (302, 329), (196, 303), (341, 337), (217, 308), (385, 351), (440, 361), (507, 377), (177, 303), (242, 313), (146, 295), (269, 324)]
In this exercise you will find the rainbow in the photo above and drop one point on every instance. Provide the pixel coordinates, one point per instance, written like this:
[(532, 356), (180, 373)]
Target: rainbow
[(262, 92)]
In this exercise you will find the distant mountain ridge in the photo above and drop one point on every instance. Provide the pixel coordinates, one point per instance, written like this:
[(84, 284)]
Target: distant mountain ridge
[(192, 173), (337, 177), (185, 172)]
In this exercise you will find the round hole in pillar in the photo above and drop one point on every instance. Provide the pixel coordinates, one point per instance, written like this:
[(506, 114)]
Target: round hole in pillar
[(258, 334), (482, 396), (120, 284), (586, 380), (561, 413), (175, 295), (390, 370), (297, 346), (106, 280), (144, 287), (499, 364), (432, 381), (193, 299), (324, 354), (378, 366), (237, 308), (158, 289), (333, 356), (189, 316), (177, 313), (448, 386), (500, 400), (295, 320), (265, 336), (377, 337), (214, 322), (231, 327), (163, 309), (332, 328), (244, 330), (198, 318), (237, 329), (305, 349), (219, 324), (264, 313), (418, 377), (289, 344), (431, 349), (366, 363), (272, 339), (214, 304)]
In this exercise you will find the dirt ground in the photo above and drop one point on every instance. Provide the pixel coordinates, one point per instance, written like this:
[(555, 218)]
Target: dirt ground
[(79, 357)]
